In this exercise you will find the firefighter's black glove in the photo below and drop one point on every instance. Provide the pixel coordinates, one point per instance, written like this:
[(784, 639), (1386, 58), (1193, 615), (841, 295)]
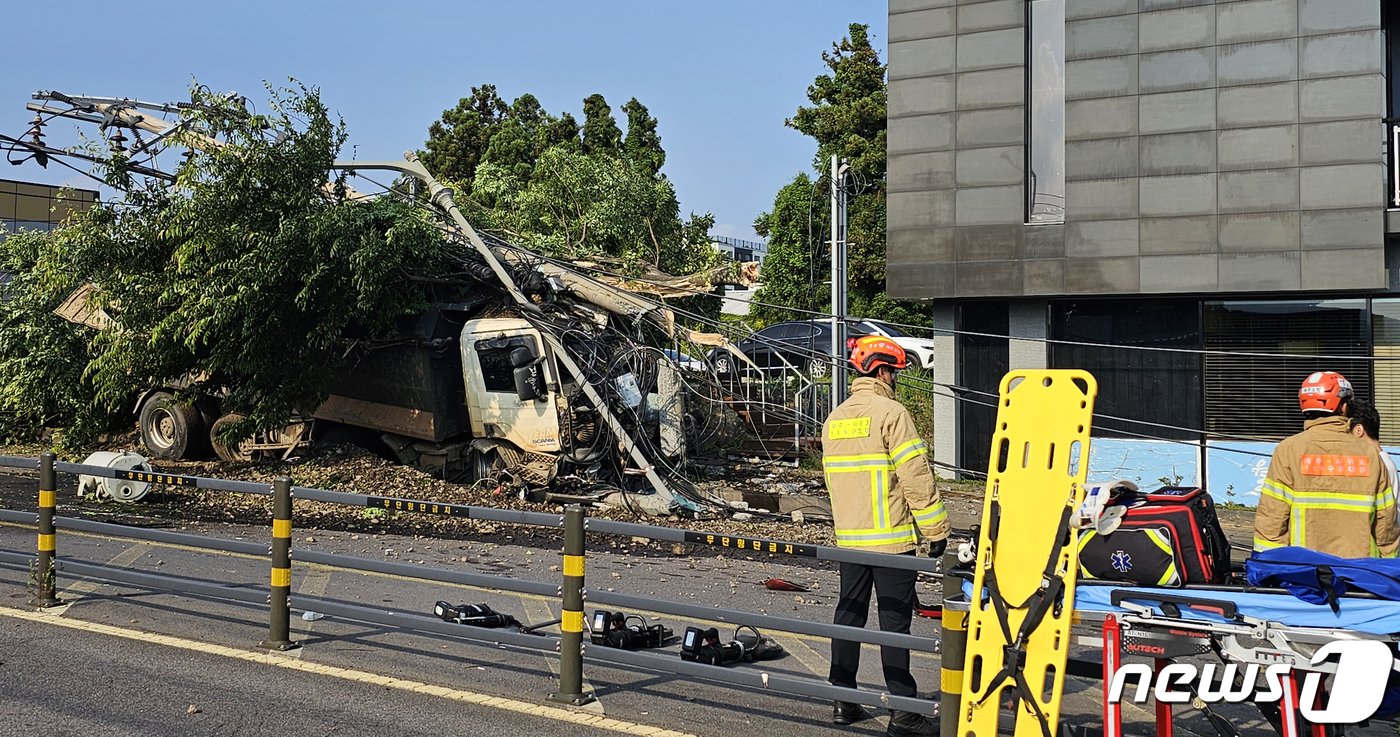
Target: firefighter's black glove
[(936, 548)]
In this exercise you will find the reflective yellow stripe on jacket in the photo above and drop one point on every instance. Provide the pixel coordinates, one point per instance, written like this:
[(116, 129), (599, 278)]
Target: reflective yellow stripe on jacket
[(1300, 503), (879, 466)]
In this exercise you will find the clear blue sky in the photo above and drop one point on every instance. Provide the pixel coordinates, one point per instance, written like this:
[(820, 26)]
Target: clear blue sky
[(720, 75)]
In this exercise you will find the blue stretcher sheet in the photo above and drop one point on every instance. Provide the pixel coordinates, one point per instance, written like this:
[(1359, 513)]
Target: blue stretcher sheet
[(1372, 616)]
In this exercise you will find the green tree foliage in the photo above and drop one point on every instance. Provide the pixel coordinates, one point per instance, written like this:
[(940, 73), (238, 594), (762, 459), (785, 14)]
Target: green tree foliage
[(42, 356), (846, 118), (794, 229), (573, 191), (600, 132), (250, 272), (564, 131), (642, 145), (457, 142)]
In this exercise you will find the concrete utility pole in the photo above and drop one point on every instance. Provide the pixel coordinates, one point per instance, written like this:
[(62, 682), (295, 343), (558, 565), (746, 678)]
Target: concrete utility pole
[(839, 388), (442, 196)]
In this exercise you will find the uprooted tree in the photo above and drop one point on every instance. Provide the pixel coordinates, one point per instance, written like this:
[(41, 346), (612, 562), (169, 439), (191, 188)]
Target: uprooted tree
[(249, 272)]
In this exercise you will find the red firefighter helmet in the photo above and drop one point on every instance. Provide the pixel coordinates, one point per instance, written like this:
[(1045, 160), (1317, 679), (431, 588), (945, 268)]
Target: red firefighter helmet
[(873, 351), (1323, 391)]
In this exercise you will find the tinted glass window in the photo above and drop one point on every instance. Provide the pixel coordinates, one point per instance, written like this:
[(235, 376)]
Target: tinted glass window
[(883, 328), (493, 356), (1257, 395), (982, 361), (1045, 83), (773, 332), (1385, 332), (1157, 386)]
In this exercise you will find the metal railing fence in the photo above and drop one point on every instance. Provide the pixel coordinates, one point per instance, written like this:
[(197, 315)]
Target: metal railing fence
[(571, 591)]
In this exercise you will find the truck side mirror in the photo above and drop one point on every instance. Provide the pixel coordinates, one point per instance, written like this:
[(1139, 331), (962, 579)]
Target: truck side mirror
[(527, 383), (529, 379)]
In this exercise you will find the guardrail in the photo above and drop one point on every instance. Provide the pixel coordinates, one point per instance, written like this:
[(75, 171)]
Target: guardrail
[(571, 590)]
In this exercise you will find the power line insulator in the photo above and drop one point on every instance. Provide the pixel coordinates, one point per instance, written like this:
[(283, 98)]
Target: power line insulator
[(36, 130)]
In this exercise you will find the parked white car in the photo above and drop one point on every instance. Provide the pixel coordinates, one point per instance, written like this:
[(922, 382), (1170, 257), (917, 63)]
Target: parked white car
[(920, 350), (685, 361)]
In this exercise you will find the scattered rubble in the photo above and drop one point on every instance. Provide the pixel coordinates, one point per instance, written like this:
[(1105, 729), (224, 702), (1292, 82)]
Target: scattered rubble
[(349, 468)]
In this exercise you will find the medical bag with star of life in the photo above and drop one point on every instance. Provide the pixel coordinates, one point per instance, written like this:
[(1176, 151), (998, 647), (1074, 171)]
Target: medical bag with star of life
[(1167, 537)]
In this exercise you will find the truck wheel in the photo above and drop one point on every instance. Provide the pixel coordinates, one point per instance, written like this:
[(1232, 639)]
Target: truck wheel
[(485, 463), (229, 453), (170, 429)]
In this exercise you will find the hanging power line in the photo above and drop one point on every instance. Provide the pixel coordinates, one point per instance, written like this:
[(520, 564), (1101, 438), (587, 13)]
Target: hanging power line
[(816, 314)]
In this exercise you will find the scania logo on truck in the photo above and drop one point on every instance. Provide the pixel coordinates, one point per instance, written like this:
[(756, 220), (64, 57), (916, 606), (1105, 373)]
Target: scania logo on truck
[(1363, 667)]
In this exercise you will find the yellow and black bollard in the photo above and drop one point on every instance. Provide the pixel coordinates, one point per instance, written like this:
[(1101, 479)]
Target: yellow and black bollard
[(43, 576), (953, 651), (279, 596), (571, 641)]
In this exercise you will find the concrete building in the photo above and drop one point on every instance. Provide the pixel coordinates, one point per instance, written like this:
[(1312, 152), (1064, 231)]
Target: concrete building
[(1169, 174), (736, 299), (26, 206)]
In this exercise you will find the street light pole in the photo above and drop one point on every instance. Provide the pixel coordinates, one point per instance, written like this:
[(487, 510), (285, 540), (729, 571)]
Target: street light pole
[(839, 388)]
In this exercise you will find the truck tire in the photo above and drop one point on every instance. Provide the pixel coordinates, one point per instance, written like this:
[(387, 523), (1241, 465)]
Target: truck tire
[(485, 463), (170, 429), (228, 453)]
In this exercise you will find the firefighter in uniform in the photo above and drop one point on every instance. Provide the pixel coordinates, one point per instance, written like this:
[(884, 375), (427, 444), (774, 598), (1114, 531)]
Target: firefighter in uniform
[(882, 497), (1327, 489)]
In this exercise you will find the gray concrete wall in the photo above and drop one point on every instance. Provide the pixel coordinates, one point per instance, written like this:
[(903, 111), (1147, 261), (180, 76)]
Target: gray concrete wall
[(1028, 321), (945, 406), (1223, 147)]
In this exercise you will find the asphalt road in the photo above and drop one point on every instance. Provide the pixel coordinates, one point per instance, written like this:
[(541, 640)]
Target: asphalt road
[(60, 681), (107, 677)]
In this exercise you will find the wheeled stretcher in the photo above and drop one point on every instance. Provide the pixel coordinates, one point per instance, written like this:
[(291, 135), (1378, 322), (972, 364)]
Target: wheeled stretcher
[(1244, 626)]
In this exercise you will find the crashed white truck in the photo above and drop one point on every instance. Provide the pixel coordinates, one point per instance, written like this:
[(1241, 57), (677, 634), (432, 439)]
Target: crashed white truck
[(543, 375), (475, 390), (458, 396)]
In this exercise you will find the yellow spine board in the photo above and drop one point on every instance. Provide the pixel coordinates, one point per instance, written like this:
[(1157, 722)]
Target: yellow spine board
[(1039, 461)]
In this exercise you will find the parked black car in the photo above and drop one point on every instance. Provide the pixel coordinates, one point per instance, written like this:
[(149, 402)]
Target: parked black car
[(803, 345)]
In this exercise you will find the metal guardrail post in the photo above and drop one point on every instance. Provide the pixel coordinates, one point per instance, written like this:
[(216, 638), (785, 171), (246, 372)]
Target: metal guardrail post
[(571, 641), (954, 647), (280, 593), (43, 576)]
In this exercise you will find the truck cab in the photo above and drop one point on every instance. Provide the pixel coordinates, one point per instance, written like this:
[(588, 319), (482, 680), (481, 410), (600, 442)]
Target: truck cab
[(511, 384), (455, 396)]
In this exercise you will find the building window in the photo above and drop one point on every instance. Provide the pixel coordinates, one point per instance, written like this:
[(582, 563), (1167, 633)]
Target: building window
[(1385, 332), (1045, 118), (983, 358), (1162, 387), (1251, 392)]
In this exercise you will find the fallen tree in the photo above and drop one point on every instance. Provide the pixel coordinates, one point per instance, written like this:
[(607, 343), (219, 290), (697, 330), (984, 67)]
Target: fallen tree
[(246, 275)]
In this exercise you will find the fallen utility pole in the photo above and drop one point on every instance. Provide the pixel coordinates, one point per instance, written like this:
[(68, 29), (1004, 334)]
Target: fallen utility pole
[(115, 112), (442, 196)]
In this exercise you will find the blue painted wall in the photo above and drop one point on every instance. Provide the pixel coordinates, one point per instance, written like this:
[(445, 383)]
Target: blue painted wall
[(1234, 470)]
